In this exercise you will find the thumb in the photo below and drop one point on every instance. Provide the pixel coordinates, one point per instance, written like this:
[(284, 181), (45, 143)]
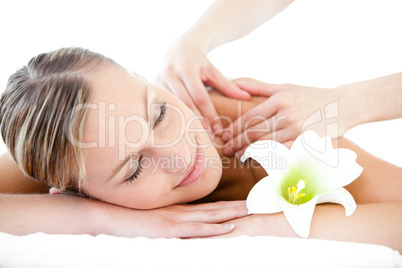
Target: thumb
[(257, 88), (265, 110), (228, 88)]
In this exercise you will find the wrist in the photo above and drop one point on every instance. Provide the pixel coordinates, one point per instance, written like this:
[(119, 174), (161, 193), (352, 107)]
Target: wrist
[(191, 40), (110, 219), (353, 105), (99, 217)]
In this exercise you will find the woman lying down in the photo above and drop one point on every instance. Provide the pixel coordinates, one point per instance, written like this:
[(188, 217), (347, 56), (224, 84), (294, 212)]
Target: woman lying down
[(78, 122)]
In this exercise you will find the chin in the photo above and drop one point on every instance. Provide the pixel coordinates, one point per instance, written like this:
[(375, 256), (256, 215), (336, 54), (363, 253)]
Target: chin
[(206, 185)]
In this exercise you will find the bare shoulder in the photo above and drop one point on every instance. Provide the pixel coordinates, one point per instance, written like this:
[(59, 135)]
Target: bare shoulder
[(13, 181), (380, 181), (232, 108)]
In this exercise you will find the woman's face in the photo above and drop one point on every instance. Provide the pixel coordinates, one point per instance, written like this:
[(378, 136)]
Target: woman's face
[(144, 148)]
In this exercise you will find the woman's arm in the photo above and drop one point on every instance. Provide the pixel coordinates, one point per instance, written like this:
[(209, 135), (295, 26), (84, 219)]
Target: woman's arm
[(380, 181), (291, 109), (371, 223), (228, 20), (24, 211), (65, 214), (188, 69), (372, 100)]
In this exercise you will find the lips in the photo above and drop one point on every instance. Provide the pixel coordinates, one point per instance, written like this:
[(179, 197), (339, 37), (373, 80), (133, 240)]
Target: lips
[(196, 168)]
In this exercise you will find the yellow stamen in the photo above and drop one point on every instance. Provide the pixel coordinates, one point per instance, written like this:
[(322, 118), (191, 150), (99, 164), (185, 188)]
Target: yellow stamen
[(295, 193)]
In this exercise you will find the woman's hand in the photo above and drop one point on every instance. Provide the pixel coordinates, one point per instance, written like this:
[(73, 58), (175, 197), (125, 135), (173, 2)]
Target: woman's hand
[(188, 69), (188, 72), (288, 111), (172, 221)]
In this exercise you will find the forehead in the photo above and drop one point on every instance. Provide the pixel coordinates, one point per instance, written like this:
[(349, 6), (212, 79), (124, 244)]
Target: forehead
[(116, 96), (110, 83), (114, 92)]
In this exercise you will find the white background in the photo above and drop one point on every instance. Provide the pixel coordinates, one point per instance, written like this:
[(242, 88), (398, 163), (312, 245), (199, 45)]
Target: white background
[(321, 43)]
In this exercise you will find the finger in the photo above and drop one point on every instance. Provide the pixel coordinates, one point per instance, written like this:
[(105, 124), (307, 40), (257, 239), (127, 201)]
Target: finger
[(258, 88), (213, 205), (203, 102), (215, 215), (216, 80), (190, 230), (260, 112), (159, 81), (254, 134), (281, 136), (288, 143), (178, 88)]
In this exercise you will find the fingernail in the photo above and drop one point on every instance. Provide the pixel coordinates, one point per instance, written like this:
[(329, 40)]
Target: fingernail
[(216, 127), (228, 226), (228, 151), (225, 137)]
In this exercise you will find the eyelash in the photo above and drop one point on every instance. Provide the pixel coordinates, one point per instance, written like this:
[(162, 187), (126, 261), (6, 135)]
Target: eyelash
[(136, 173), (139, 168), (162, 114)]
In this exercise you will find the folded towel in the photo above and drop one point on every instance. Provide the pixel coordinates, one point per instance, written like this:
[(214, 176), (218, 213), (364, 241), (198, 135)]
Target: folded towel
[(42, 250)]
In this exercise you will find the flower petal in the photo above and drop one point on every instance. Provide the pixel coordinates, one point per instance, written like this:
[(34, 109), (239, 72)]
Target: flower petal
[(263, 198), (346, 171), (299, 216), (337, 166), (309, 145), (271, 155), (340, 196)]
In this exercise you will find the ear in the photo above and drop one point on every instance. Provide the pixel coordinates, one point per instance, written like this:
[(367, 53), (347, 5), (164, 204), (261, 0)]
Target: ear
[(54, 190)]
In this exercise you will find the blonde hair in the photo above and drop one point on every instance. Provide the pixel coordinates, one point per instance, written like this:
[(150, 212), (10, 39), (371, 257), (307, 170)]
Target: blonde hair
[(39, 116)]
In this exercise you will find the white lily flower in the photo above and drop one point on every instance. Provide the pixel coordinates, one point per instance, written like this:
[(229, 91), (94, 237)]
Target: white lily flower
[(310, 173)]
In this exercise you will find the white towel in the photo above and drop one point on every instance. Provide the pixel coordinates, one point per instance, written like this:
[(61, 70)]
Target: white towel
[(42, 250)]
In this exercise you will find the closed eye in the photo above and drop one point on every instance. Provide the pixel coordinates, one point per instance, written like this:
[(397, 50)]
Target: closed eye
[(162, 113), (157, 121), (136, 173)]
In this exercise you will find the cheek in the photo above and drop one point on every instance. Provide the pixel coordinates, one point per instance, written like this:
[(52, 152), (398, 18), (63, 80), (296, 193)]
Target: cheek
[(151, 192), (139, 198)]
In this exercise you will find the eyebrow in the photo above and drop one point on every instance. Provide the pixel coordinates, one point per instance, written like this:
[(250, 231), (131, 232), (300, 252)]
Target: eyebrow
[(128, 158)]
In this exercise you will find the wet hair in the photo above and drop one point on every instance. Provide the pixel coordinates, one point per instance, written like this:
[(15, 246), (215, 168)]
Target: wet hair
[(42, 115)]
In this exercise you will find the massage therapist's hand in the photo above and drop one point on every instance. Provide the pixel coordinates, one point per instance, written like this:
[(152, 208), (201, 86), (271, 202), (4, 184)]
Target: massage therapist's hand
[(289, 110), (172, 221), (188, 72)]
